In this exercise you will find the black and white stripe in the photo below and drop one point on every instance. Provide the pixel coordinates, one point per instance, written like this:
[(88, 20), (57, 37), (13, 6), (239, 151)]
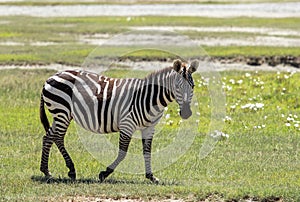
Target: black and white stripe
[(103, 105)]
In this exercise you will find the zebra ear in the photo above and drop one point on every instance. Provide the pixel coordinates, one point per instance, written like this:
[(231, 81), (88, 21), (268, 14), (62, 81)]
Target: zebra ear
[(193, 66), (177, 65)]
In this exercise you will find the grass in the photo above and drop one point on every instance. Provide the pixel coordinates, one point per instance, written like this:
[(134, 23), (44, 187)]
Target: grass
[(64, 36), (260, 159)]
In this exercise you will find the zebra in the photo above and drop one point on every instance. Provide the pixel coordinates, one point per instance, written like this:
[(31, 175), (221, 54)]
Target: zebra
[(103, 105)]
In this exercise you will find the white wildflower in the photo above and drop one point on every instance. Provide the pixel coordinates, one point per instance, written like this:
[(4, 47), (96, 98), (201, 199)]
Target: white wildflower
[(240, 81), (259, 105), (219, 135), (227, 119), (259, 126), (251, 106), (247, 74), (233, 106), (229, 88), (167, 116), (170, 122)]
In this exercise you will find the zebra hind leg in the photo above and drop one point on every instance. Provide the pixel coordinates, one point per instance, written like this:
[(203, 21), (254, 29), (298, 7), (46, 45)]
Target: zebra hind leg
[(69, 163), (56, 135), (47, 143)]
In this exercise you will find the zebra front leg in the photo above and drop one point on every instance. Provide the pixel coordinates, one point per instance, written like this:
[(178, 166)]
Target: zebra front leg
[(147, 136), (69, 163), (123, 147), (47, 143)]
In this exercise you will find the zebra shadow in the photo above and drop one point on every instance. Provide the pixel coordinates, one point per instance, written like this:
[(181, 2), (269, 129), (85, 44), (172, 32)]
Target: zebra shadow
[(65, 180)]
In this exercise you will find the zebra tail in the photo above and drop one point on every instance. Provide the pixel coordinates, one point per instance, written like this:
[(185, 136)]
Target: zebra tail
[(43, 116)]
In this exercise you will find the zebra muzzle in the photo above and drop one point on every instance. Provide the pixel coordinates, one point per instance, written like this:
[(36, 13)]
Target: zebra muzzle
[(185, 111)]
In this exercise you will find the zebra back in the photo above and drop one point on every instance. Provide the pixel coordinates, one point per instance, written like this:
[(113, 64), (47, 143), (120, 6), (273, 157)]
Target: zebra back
[(99, 103)]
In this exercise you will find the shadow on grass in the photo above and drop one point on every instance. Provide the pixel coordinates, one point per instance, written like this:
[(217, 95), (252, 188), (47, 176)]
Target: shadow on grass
[(59, 180)]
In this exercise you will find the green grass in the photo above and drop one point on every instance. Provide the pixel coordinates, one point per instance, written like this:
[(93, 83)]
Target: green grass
[(65, 34), (259, 159), (77, 54)]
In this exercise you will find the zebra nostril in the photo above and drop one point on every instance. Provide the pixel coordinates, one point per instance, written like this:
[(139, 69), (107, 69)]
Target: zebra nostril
[(185, 111), (185, 114)]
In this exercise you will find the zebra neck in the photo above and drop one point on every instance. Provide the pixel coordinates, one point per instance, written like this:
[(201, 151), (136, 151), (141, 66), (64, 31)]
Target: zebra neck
[(160, 87)]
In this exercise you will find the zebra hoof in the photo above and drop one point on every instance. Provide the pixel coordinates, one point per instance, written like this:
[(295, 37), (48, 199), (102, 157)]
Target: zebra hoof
[(152, 178), (50, 180), (48, 176), (102, 176), (155, 180), (105, 174), (72, 175), (46, 173)]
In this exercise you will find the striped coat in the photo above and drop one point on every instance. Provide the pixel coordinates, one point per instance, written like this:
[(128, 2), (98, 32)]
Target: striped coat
[(103, 105)]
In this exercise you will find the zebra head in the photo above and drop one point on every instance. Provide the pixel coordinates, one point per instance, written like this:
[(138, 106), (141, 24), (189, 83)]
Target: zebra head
[(184, 86)]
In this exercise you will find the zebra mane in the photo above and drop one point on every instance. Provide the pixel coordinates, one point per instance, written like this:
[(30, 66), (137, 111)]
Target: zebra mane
[(160, 71)]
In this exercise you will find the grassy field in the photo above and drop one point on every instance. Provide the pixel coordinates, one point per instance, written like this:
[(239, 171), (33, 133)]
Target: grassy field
[(259, 160), (61, 40)]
